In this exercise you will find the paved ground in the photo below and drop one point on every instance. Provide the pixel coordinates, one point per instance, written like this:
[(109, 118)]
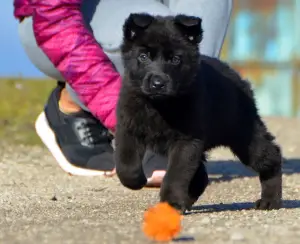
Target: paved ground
[(41, 204)]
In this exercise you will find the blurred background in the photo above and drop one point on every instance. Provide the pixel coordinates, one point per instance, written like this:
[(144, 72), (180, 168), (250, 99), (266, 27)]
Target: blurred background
[(263, 43)]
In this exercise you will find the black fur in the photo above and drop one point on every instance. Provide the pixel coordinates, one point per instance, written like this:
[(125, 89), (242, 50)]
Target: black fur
[(182, 104)]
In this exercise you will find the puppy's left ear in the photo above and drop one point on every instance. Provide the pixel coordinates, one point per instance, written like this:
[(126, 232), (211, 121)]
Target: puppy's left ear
[(190, 27), (135, 24)]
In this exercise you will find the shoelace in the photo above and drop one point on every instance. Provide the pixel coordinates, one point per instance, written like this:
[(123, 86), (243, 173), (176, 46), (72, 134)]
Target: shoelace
[(91, 133)]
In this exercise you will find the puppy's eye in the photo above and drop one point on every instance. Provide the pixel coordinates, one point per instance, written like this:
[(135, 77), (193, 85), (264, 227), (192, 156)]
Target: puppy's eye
[(143, 57), (175, 60)]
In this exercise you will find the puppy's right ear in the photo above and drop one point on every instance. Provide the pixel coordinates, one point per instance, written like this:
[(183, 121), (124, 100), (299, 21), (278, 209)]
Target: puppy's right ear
[(135, 24), (190, 27)]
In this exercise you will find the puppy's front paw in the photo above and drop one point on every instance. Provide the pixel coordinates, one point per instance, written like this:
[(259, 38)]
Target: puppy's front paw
[(133, 183), (268, 204), (176, 198), (134, 180)]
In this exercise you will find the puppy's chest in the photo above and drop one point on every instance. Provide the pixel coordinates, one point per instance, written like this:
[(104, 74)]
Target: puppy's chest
[(183, 115)]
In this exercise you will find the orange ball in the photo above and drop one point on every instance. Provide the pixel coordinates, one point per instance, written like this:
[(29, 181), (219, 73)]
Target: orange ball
[(162, 222)]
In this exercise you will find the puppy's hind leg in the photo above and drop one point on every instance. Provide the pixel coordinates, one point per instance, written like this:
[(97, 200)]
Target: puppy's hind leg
[(263, 156), (128, 158), (198, 184)]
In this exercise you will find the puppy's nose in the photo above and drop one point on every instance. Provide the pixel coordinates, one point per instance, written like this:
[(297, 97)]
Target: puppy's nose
[(157, 82)]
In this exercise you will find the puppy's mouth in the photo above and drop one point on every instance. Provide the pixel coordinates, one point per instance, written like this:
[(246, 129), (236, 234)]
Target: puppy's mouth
[(158, 94)]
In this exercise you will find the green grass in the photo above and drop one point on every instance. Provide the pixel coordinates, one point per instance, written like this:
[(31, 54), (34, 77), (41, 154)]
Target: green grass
[(21, 101)]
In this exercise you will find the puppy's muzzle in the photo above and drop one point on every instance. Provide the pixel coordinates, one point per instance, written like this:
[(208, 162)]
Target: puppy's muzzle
[(158, 83)]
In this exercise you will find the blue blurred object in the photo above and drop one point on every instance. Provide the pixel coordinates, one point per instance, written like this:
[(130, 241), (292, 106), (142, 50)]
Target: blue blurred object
[(263, 43)]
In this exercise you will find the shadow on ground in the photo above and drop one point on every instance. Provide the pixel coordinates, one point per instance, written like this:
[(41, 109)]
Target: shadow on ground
[(228, 170), (220, 171), (211, 208)]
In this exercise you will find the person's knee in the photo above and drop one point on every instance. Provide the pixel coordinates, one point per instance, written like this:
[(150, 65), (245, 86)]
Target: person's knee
[(109, 18), (215, 15), (34, 53), (201, 7)]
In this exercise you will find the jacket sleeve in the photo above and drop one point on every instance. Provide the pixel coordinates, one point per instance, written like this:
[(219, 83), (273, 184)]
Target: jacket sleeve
[(61, 33), (22, 8)]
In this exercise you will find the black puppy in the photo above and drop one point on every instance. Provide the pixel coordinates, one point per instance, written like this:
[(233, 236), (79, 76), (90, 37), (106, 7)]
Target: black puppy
[(182, 104)]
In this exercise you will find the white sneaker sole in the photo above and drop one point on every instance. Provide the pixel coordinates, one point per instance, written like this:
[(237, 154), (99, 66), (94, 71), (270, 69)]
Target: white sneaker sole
[(47, 136), (156, 179)]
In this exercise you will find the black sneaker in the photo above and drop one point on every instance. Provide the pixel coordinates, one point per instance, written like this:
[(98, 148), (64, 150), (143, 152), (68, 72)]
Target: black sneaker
[(79, 142)]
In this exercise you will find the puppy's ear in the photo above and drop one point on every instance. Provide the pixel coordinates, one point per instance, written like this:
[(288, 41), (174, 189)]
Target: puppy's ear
[(135, 24), (190, 27)]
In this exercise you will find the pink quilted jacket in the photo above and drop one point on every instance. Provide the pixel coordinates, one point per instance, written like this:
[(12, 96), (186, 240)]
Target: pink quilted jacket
[(60, 32)]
